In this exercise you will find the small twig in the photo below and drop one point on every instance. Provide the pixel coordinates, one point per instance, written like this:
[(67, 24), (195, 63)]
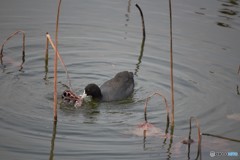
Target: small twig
[(23, 46), (146, 103)]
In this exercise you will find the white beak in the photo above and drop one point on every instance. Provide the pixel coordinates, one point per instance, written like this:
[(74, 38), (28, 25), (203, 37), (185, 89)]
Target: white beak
[(84, 95)]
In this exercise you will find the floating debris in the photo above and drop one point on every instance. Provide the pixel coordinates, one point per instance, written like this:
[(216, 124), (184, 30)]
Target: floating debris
[(70, 98)]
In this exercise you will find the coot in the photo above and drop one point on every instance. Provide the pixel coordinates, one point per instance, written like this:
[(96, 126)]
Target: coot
[(118, 88)]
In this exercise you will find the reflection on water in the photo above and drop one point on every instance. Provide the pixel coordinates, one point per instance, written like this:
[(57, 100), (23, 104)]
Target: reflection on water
[(54, 132), (229, 12)]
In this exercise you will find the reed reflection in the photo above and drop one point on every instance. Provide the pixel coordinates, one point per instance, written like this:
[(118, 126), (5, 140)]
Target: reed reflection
[(54, 132)]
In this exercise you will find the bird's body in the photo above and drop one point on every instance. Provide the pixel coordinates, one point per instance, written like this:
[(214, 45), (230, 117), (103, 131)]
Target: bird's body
[(118, 88)]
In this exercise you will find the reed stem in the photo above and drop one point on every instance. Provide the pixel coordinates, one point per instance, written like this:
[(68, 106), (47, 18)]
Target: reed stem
[(165, 101), (49, 40), (143, 24), (199, 134), (171, 61), (23, 46), (55, 64), (221, 137), (143, 40)]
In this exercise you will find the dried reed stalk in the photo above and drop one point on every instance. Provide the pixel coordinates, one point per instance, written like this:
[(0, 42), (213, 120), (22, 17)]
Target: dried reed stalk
[(143, 24), (55, 64), (23, 46), (221, 137), (143, 40), (171, 62), (199, 134), (165, 101), (49, 40)]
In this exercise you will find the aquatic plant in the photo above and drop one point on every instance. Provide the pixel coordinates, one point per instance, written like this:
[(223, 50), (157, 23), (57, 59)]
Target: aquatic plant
[(148, 128), (143, 39), (171, 62), (56, 57), (189, 140), (147, 125), (23, 46), (165, 101), (143, 24)]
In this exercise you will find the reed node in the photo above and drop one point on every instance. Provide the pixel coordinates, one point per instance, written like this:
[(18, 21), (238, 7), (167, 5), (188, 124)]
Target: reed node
[(23, 46)]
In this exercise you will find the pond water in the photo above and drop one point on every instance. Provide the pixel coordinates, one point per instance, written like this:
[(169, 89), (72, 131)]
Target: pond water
[(97, 39)]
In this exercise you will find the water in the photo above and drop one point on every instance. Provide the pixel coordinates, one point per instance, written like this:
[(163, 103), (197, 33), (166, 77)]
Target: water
[(97, 40)]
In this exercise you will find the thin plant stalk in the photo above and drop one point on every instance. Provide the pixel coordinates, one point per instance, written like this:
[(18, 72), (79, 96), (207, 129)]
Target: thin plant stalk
[(49, 39), (199, 134), (143, 24), (221, 137), (171, 61), (165, 101), (143, 39), (23, 46), (46, 57), (55, 64)]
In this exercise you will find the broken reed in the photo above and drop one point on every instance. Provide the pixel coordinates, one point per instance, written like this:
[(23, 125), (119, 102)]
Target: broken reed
[(49, 40), (165, 101), (143, 39), (171, 64), (55, 47), (143, 24), (23, 46), (199, 135)]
